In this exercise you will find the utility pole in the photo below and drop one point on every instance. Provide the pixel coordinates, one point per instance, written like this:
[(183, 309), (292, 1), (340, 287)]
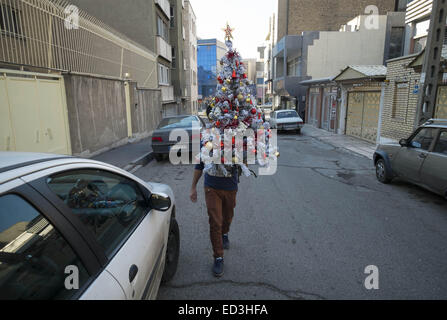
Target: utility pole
[(431, 67)]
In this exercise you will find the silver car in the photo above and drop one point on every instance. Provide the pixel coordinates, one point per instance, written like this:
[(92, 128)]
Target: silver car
[(161, 144), (420, 159), (73, 228)]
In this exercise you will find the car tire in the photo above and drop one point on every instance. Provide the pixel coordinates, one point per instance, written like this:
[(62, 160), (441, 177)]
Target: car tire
[(158, 157), (298, 131), (172, 252), (382, 173)]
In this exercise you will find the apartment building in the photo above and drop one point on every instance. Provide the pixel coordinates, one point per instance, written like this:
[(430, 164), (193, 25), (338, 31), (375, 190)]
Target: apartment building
[(189, 35), (159, 26), (297, 16), (78, 75)]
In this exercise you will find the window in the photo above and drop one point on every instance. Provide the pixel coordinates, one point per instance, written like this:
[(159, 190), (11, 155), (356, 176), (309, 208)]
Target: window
[(162, 29), (441, 145), (33, 255), (260, 81), (287, 114), (400, 103), (397, 37), (164, 77), (174, 60), (423, 139), (109, 205), (9, 20), (293, 67), (172, 17)]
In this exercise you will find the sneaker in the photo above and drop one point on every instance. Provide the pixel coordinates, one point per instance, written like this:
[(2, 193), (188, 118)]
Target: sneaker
[(218, 268), (226, 241)]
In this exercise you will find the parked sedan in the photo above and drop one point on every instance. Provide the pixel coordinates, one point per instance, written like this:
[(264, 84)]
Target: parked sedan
[(79, 229), (287, 120), (161, 144), (421, 159)]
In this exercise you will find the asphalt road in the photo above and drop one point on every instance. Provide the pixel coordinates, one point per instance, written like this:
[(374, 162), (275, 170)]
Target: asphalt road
[(310, 231)]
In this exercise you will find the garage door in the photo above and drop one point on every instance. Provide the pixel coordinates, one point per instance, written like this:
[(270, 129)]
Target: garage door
[(363, 115), (441, 103), (33, 114)]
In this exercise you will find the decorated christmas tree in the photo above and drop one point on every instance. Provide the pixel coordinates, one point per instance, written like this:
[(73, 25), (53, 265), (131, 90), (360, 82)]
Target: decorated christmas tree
[(233, 112)]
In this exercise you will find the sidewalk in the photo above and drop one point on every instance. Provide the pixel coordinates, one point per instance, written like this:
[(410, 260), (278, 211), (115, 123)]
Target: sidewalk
[(358, 146), (129, 157)]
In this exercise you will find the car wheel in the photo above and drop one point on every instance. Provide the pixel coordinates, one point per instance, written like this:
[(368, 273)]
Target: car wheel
[(158, 157), (298, 131), (382, 173), (172, 252)]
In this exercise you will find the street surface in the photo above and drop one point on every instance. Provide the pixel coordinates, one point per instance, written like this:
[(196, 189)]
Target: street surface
[(310, 231)]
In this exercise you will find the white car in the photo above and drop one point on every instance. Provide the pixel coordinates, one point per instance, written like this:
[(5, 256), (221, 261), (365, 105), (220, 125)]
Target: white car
[(73, 228), (287, 120)]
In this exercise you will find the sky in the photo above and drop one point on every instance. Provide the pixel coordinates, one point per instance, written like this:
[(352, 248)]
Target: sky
[(249, 18)]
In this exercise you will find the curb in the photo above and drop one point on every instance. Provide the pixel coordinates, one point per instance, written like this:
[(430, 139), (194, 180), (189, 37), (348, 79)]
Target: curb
[(137, 164)]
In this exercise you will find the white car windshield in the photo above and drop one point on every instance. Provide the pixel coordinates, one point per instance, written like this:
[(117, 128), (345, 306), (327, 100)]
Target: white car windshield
[(288, 114)]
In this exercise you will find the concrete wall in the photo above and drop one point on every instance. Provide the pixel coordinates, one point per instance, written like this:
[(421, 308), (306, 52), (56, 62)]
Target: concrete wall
[(296, 16), (97, 113), (146, 110), (333, 51)]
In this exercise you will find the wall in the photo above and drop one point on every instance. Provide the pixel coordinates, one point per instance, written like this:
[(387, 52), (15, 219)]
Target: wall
[(97, 113), (403, 125), (322, 15), (333, 51), (146, 110), (140, 27)]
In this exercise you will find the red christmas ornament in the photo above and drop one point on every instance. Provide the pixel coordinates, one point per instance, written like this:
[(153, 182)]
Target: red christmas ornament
[(220, 80), (218, 123), (245, 76), (234, 74), (225, 111), (254, 111), (237, 63)]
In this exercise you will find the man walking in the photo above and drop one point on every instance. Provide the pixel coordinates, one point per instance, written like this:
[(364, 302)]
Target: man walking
[(220, 197)]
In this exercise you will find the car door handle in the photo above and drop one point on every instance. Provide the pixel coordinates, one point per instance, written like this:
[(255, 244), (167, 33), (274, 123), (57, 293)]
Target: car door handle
[(133, 271)]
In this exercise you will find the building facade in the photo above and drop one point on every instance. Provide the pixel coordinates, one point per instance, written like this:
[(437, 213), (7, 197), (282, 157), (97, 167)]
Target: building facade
[(323, 54), (209, 53), (158, 25), (190, 54), (297, 16), (81, 78)]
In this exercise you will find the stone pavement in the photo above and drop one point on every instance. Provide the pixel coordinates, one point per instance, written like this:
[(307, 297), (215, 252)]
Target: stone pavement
[(352, 144)]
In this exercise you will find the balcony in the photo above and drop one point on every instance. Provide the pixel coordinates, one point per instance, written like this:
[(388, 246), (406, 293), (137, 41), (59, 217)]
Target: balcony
[(167, 93), (287, 46), (165, 7), (164, 49)]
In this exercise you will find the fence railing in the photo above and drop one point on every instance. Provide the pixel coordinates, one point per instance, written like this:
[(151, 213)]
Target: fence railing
[(55, 35)]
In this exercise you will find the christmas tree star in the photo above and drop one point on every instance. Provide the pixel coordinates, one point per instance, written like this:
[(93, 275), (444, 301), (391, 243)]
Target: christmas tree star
[(228, 31)]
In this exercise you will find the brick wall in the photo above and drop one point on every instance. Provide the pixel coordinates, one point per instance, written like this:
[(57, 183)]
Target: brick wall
[(323, 15), (399, 109)]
